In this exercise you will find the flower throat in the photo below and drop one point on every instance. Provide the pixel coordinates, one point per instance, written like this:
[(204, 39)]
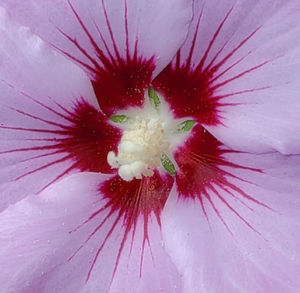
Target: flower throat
[(145, 142)]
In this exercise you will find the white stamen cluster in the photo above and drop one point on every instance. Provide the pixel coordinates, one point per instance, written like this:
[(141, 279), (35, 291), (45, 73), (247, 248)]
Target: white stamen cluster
[(140, 149)]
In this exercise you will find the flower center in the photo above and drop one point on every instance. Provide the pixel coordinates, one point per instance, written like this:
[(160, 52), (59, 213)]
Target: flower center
[(148, 139), (141, 148)]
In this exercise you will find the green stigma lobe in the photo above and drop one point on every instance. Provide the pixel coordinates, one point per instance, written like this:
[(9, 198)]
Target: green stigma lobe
[(167, 164)]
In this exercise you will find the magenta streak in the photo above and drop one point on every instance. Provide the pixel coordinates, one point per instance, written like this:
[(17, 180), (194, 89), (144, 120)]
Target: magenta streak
[(240, 92), (126, 29), (244, 194), (91, 235), (58, 146), (63, 108), (91, 69), (42, 156), (235, 176), (71, 141), (235, 197), (189, 59), (42, 105), (50, 139), (213, 160), (110, 32), (132, 238), (45, 106), (200, 66), (131, 222), (216, 211), (83, 51), (177, 64), (146, 238), (112, 59), (203, 209), (142, 254), (135, 212), (120, 214), (40, 148), (207, 68), (221, 161), (38, 118), (91, 217), (239, 75), (222, 111), (239, 190), (103, 244), (205, 106), (229, 68), (34, 130), (135, 51), (219, 116), (124, 238), (147, 214), (44, 166), (42, 139), (232, 209), (240, 45), (208, 165), (60, 176), (7, 83), (91, 39)]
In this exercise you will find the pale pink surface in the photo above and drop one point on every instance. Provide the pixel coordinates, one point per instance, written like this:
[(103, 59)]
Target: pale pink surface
[(254, 249), (89, 259), (259, 249), (36, 245), (265, 68), (158, 26), (30, 70), (36, 81)]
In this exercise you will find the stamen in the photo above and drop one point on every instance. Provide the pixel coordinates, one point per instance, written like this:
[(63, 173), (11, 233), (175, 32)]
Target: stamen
[(140, 149)]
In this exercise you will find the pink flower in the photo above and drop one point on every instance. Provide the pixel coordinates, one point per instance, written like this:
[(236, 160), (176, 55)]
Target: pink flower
[(110, 186)]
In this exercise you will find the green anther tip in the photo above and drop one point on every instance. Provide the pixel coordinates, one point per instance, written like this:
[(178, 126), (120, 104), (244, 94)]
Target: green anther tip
[(119, 118), (186, 126), (168, 164), (154, 99)]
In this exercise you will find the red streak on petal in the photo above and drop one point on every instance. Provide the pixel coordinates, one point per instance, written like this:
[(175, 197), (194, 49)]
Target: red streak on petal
[(119, 81), (189, 58), (192, 90), (45, 166), (91, 137), (126, 28), (128, 203), (82, 141), (188, 94), (200, 163), (66, 117), (122, 86), (137, 198), (110, 31), (211, 43)]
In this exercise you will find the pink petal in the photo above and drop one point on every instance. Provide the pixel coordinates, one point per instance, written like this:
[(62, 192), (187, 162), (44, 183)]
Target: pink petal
[(233, 223), (50, 123), (121, 44), (35, 239), (75, 238), (132, 250), (238, 74)]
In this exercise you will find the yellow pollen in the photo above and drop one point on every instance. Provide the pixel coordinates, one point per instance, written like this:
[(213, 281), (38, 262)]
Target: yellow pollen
[(140, 149)]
